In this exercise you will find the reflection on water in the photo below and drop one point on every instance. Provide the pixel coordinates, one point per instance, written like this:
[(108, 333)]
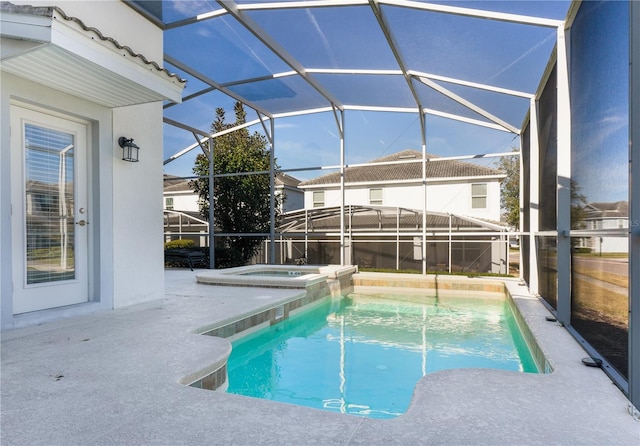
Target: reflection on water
[(364, 354)]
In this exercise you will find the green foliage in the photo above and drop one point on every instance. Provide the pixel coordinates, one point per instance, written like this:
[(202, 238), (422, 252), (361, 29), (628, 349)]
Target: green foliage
[(179, 244), (439, 273), (241, 202), (363, 269), (52, 252), (510, 195), (510, 189), (578, 206)]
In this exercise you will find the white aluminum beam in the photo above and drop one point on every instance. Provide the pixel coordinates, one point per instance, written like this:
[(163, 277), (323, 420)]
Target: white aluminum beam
[(231, 84), (490, 125), (301, 4), (354, 71), (477, 13), (477, 85), (634, 201), (382, 109), (395, 49), (195, 19), (563, 193), (274, 46), (207, 80), (471, 106), (534, 197), (185, 127), (200, 132), (342, 190), (309, 111), (272, 190), (424, 192)]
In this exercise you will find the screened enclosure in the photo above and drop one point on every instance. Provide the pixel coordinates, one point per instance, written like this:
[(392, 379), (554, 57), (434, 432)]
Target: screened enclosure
[(335, 86)]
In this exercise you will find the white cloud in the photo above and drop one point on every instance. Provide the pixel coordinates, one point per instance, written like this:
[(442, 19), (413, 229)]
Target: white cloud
[(323, 37), (188, 7), (522, 56), (285, 125)]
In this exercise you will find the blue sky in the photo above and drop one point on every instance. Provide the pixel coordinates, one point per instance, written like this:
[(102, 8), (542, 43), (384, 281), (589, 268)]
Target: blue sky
[(226, 51)]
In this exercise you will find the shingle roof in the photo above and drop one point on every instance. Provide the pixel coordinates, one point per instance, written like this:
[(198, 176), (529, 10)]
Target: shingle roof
[(286, 180), (405, 171), (178, 184)]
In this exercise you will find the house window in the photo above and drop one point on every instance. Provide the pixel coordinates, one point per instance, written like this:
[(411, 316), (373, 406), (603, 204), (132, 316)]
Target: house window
[(375, 196), (168, 203), (318, 199), (479, 196)]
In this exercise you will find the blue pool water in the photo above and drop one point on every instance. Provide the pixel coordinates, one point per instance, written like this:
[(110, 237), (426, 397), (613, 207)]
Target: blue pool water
[(363, 355)]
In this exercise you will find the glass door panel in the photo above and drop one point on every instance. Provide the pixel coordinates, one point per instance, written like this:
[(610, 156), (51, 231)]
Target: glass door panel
[(49, 199)]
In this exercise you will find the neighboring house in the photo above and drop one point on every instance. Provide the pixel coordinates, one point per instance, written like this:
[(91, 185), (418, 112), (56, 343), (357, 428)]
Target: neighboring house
[(77, 228), (454, 187), (383, 217), (613, 219), (293, 196), (182, 213), (179, 196)]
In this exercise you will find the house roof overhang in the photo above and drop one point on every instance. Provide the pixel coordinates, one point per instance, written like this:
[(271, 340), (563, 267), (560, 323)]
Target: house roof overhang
[(46, 46)]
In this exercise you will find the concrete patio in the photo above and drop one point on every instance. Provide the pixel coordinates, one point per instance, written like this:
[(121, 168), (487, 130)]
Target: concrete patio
[(114, 378)]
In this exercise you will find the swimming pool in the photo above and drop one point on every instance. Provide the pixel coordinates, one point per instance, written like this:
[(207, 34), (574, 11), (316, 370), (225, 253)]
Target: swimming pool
[(363, 354)]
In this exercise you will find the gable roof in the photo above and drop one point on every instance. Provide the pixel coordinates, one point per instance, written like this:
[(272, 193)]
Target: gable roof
[(178, 184), (283, 179), (405, 169)]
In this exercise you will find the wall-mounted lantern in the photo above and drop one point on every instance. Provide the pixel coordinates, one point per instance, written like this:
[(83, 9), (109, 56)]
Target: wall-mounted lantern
[(129, 149)]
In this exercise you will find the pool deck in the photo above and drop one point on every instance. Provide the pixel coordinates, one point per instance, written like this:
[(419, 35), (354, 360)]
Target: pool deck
[(113, 378)]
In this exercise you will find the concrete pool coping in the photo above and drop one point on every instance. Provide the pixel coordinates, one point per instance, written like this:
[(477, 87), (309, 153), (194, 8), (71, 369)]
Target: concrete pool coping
[(114, 378), (240, 276)]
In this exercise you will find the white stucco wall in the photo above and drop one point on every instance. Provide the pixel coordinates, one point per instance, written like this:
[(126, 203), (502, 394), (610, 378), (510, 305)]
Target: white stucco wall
[(188, 201), (449, 197), (137, 225), (182, 201), (294, 199)]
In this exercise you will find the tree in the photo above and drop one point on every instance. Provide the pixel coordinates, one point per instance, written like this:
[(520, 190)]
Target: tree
[(578, 206), (510, 189), (241, 202), (510, 195)]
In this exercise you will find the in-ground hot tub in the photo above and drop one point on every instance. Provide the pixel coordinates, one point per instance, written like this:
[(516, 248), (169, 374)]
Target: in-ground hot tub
[(280, 276)]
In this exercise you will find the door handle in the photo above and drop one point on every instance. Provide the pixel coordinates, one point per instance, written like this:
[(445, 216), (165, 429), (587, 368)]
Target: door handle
[(82, 222)]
